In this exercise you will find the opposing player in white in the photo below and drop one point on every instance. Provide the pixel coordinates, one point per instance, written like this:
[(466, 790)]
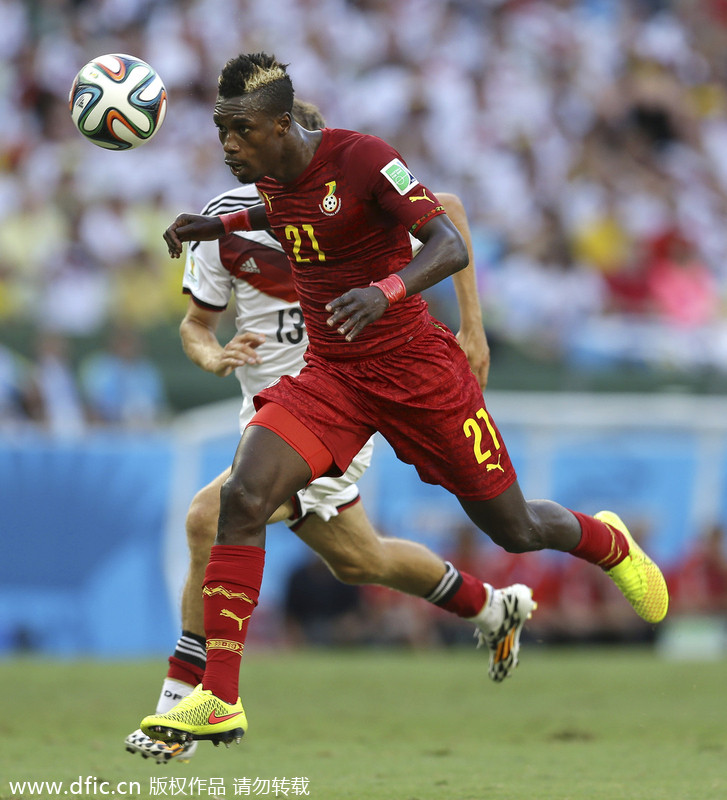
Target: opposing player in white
[(328, 515)]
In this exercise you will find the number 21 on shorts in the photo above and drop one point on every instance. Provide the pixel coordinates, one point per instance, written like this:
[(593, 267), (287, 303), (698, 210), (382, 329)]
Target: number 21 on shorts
[(473, 428)]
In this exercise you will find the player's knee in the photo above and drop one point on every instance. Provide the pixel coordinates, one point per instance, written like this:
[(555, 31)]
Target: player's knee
[(365, 564), (350, 569), (242, 505), (518, 539), (201, 521)]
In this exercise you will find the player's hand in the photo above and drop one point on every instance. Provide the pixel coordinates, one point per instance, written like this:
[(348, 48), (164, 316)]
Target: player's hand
[(240, 351), (192, 228), (353, 311), (474, 344)]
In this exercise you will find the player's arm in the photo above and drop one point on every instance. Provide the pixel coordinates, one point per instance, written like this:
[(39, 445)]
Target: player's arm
[(442, 254), (198, 331), (201, 228), (471, 333)]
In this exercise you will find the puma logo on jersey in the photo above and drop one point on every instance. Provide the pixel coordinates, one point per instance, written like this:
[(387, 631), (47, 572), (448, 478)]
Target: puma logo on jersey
[(490, 467), (249, 266), (239, 620), (423, 196)]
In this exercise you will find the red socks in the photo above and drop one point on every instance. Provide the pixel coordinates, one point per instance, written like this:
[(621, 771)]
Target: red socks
[(600, 543), (459, 593), (184, 672), (231, 588), (469, 599)]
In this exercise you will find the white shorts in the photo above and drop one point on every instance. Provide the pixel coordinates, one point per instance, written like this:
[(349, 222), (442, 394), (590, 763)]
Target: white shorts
[(324, 496)]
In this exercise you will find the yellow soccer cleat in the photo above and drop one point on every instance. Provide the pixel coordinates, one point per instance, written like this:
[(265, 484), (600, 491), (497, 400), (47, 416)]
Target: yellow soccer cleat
[(200, 715), (637, 576)]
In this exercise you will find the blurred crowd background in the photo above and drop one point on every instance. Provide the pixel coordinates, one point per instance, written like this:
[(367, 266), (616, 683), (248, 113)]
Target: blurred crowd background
[(586, 138)]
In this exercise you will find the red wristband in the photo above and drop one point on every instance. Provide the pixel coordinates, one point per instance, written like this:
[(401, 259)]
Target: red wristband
[(236, 221), (392, 287)]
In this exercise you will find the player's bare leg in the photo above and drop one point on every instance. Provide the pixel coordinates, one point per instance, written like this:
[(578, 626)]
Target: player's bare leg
[(520, 527), (356, 553), (266, 472), (603, 540), (186, 665)]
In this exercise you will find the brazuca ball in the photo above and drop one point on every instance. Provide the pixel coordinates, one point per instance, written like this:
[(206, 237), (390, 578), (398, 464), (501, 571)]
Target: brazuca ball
[(118, 101)]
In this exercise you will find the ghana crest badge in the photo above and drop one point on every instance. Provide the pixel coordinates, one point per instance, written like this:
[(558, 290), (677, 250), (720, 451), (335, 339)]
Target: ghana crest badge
[(331, 204)]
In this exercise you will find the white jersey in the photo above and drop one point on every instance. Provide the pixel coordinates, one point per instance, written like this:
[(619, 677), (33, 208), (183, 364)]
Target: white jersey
[(253, 268)]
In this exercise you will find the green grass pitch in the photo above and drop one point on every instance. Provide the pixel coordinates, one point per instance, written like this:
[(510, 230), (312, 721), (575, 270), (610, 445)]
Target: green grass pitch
[(571, 724)]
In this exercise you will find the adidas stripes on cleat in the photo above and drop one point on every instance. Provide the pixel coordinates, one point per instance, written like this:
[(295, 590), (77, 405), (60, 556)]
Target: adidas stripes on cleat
[(161, 752), (499, 625)]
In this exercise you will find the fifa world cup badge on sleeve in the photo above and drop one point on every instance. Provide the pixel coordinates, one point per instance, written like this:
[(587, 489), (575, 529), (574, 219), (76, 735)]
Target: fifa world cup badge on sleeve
[(399, 176)]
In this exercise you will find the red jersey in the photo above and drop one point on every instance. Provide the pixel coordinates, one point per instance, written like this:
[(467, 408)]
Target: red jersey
[(345, 222)]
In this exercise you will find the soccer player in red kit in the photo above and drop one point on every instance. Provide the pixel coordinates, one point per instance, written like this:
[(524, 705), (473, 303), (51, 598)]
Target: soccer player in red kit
[(342, 205)]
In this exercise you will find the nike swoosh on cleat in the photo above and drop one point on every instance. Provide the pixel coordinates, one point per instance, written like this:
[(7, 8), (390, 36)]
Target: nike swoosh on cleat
[(213, 718)]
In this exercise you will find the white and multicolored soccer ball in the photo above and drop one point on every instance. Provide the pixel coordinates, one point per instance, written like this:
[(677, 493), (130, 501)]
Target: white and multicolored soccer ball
[(118, 101)]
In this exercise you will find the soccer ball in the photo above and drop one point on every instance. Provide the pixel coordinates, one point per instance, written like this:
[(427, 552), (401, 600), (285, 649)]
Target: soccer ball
[(118, 101)]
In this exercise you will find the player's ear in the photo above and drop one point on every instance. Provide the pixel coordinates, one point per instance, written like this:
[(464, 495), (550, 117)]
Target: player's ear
[(284, 123)]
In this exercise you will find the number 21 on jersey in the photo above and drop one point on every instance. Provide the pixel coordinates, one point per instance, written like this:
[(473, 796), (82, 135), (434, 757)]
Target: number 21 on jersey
[(304, 240), (473, 428)]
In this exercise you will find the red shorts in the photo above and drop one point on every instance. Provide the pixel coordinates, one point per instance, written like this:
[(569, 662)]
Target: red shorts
[(422, 397)]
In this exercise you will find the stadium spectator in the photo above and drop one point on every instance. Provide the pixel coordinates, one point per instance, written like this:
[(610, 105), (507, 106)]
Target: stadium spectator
[(12, 383), (700, 579), (52, 394), (122, 386)]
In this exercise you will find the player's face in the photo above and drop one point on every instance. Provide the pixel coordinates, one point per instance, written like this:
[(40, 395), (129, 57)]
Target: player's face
[(252, 139)]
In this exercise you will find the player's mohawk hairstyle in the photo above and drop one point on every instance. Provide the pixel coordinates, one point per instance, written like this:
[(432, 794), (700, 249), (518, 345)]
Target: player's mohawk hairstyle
[(258, 72)]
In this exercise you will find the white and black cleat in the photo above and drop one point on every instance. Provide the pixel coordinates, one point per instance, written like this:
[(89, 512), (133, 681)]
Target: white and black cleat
[(499, 625), (161, 752)]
